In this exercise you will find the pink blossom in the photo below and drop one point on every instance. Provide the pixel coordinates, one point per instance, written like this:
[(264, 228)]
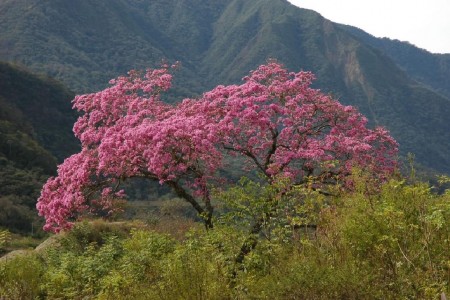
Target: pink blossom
[(274, 119)]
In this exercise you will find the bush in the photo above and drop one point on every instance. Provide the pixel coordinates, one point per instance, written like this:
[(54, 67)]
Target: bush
[(140, 267), (200, 268), (373, 243), (402, 236), (95, 261), (5, 235), (21, 276)]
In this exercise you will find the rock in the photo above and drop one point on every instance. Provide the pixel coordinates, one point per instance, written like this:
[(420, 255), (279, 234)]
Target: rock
[(14, 254)]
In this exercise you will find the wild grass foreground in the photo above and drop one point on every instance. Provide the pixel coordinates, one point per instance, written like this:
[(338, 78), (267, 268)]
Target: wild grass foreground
[(392, 244)]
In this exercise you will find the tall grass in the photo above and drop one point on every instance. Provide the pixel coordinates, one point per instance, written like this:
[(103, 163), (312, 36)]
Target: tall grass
[(392, 244)]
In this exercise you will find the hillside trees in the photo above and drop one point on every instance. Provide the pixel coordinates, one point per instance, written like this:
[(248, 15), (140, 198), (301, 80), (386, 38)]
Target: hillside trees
[(273, 122), (36, 119)]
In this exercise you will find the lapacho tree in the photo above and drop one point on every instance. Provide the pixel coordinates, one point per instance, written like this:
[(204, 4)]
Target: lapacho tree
[(274, 122)]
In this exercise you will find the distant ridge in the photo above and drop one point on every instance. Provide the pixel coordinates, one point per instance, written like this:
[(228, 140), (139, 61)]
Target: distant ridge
[(421, 65), (85, 43)]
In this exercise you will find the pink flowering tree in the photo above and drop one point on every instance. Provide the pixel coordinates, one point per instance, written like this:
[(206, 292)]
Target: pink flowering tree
[(274, 122)]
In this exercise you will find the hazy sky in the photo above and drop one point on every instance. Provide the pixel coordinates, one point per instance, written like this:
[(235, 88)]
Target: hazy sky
[(425, 24)]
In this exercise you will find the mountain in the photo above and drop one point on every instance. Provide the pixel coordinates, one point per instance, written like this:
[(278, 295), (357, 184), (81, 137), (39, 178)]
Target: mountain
[(421, 65), (85, 43), (35, 131), (39, 107)]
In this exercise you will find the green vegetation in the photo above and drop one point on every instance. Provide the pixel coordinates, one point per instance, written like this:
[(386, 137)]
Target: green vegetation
[(431, 69), (388, 243), (394, 84), (35, 131), (4, 238), (38, 107), (22, 174)]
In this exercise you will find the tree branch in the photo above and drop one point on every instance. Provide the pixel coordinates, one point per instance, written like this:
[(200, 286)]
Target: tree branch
[(272, 149), (182, 193)]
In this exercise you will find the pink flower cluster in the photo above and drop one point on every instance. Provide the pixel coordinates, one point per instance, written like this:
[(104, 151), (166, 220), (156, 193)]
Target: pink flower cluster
[(274, 119)]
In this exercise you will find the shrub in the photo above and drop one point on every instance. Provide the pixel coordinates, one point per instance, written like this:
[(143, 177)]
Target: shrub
[(5, 235), (21, 276)]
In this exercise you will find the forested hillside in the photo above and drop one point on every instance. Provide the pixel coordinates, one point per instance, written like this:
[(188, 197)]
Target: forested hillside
[(86, 43), (421, 65), (35, 132)]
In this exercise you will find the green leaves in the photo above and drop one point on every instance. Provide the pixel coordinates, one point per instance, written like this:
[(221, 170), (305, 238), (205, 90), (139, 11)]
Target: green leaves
[(5, 235), (391, 243)]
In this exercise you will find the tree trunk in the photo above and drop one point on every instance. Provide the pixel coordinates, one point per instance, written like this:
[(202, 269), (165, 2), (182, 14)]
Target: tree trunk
[(205, 214)]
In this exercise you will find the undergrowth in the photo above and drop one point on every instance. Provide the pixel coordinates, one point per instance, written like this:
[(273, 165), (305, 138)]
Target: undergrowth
[(392, 244)]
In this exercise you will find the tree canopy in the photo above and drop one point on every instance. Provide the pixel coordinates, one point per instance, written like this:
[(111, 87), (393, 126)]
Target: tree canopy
[(274, 122)]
